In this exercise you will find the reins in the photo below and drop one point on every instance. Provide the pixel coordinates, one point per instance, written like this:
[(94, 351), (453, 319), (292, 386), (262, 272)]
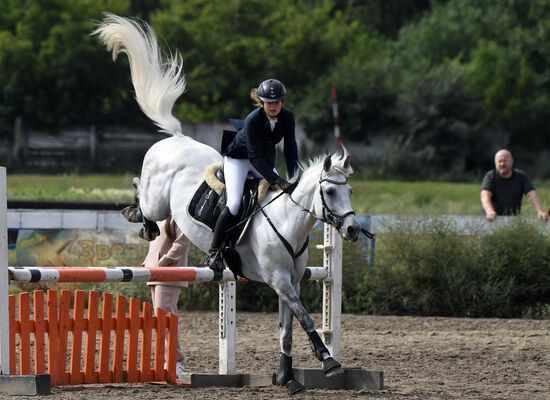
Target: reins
[(329, 216)]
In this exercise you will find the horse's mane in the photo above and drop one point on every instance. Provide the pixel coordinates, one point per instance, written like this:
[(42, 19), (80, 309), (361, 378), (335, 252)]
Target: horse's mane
[(313, 165)]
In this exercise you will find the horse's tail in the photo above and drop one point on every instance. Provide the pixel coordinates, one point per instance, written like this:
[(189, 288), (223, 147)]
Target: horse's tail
[(157, 82)]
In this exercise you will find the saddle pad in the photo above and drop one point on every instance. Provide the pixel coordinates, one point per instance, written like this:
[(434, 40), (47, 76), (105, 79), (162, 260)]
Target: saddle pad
[(206, 206)]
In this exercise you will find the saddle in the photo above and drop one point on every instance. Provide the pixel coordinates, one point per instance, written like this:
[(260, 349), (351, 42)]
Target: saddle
[(210, 199)]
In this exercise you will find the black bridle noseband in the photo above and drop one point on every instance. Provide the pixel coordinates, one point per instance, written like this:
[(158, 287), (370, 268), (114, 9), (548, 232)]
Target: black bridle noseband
[(330, 216)]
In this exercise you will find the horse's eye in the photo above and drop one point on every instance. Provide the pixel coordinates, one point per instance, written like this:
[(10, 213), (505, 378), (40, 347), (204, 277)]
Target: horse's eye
[(330, 192)]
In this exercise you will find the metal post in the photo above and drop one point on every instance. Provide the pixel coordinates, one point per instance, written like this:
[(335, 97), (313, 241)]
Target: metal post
[(227, 316), (332, 291), (4, 283), (335, 118)]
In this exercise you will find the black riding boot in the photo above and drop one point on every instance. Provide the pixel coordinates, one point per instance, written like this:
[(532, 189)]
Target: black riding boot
[(214, 259)]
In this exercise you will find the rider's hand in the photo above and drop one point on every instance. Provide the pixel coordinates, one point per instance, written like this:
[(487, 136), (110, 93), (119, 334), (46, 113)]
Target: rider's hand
[(285, 186), (491, 215)]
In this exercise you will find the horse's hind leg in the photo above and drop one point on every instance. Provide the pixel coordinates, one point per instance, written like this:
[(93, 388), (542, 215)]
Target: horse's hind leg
[(133, 213), (285, 375), (287, 294), (149, 231)]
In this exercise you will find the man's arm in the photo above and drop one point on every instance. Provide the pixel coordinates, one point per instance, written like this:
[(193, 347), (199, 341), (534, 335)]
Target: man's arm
[(487, 204), (534, 199)]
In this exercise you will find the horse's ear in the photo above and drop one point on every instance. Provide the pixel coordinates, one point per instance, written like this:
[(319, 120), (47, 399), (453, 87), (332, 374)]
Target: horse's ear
[(327, 164), (346, 163)]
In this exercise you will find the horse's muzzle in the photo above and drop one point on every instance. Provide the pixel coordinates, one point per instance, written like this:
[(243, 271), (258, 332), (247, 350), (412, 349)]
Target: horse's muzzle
[(350, 228)]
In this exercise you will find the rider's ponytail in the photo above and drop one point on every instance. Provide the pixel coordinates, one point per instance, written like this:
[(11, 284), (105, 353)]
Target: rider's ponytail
[(254, 96)]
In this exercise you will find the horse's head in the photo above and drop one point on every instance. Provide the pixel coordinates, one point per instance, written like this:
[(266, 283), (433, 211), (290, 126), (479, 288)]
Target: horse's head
[(333, 199)]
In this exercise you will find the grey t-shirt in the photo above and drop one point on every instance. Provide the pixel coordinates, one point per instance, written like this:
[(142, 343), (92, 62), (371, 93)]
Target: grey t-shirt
[(507, 192)]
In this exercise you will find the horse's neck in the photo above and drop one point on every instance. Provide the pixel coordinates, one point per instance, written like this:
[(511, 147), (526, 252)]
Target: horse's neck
[(294, 217)]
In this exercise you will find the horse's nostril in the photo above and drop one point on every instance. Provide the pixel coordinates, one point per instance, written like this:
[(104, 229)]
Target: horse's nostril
[(351, 230)]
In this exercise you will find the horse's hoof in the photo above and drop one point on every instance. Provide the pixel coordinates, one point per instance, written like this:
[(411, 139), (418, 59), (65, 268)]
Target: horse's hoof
[(132, 214), (148, 236), (295, 387), (331, 367)]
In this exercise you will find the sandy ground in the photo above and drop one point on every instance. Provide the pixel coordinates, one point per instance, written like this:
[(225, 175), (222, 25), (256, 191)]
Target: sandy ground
[(422, 358)]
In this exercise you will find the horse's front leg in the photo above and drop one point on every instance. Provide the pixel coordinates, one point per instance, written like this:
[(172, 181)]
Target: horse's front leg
[(287, 294), (285, 375)]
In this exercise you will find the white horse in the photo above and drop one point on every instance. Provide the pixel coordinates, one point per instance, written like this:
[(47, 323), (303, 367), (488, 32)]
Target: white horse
[(174, 168)]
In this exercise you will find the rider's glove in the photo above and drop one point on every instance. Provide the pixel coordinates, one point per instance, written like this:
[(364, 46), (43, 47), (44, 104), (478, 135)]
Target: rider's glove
[(285, 186)]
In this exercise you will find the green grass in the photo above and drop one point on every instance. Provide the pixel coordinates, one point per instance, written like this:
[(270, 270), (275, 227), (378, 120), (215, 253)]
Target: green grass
[(369, 197), (424, 198), (71, 187)]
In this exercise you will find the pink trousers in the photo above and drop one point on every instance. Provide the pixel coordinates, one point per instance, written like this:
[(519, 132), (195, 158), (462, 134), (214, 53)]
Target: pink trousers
[(166, 298)]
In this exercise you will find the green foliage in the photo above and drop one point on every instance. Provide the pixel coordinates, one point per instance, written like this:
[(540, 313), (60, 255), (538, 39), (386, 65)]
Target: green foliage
[(71, 187), (443, 272), (446, 81), (50, 74), (366, 99), (497, 52), (444, 127)]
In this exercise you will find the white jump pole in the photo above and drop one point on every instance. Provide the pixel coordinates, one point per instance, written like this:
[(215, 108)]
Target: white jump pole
[(228, 332), (332, 291), (4, 283)]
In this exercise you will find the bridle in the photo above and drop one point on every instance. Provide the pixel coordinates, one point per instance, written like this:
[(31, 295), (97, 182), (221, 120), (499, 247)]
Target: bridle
[(329, 216)]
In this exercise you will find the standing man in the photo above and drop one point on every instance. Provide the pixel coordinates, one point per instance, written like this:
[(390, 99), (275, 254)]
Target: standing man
[(503, 188)]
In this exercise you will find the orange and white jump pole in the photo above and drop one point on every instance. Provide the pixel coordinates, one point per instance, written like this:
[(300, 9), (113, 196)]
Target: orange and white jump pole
[(131, 274)]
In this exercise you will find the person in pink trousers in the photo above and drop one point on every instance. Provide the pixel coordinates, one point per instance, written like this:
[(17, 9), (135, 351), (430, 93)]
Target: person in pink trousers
[(170, 248)]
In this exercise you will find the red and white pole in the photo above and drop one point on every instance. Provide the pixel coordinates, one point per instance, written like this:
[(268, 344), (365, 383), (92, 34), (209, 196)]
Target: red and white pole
[(335, 118)]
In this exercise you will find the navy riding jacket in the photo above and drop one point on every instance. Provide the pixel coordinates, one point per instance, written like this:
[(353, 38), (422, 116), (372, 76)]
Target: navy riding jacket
[(255, 141)]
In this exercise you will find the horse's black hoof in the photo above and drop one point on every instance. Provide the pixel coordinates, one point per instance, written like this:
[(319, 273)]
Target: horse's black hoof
[(148, 236), (331, 367), (295, 387), (132, 214)]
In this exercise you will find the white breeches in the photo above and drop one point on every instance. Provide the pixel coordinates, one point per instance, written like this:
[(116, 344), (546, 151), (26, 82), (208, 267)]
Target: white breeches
[(235, 172)]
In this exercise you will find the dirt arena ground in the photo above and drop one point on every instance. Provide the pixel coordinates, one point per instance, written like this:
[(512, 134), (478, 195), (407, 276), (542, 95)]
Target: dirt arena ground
[(422, 358)]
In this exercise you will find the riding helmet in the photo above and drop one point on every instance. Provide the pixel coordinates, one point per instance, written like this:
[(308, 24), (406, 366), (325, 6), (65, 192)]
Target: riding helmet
[(271, 90)]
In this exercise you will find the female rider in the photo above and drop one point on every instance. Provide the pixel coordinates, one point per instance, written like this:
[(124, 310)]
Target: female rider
[(253, 150)]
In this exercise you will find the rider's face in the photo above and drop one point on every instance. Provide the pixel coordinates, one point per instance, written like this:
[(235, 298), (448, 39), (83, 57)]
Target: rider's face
[(272, 109)]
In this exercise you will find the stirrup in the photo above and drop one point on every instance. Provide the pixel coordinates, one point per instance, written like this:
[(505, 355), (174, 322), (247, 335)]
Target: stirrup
[(214, 261)]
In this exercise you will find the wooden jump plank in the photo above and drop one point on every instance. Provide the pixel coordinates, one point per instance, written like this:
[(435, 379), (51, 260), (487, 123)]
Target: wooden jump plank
[(90, 375), (146, 374), (53, 336), (120, 328), (160, 320), (63, 332), (76, 345), (24, 334), (105, 339), (133, 338), (39, 333)]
